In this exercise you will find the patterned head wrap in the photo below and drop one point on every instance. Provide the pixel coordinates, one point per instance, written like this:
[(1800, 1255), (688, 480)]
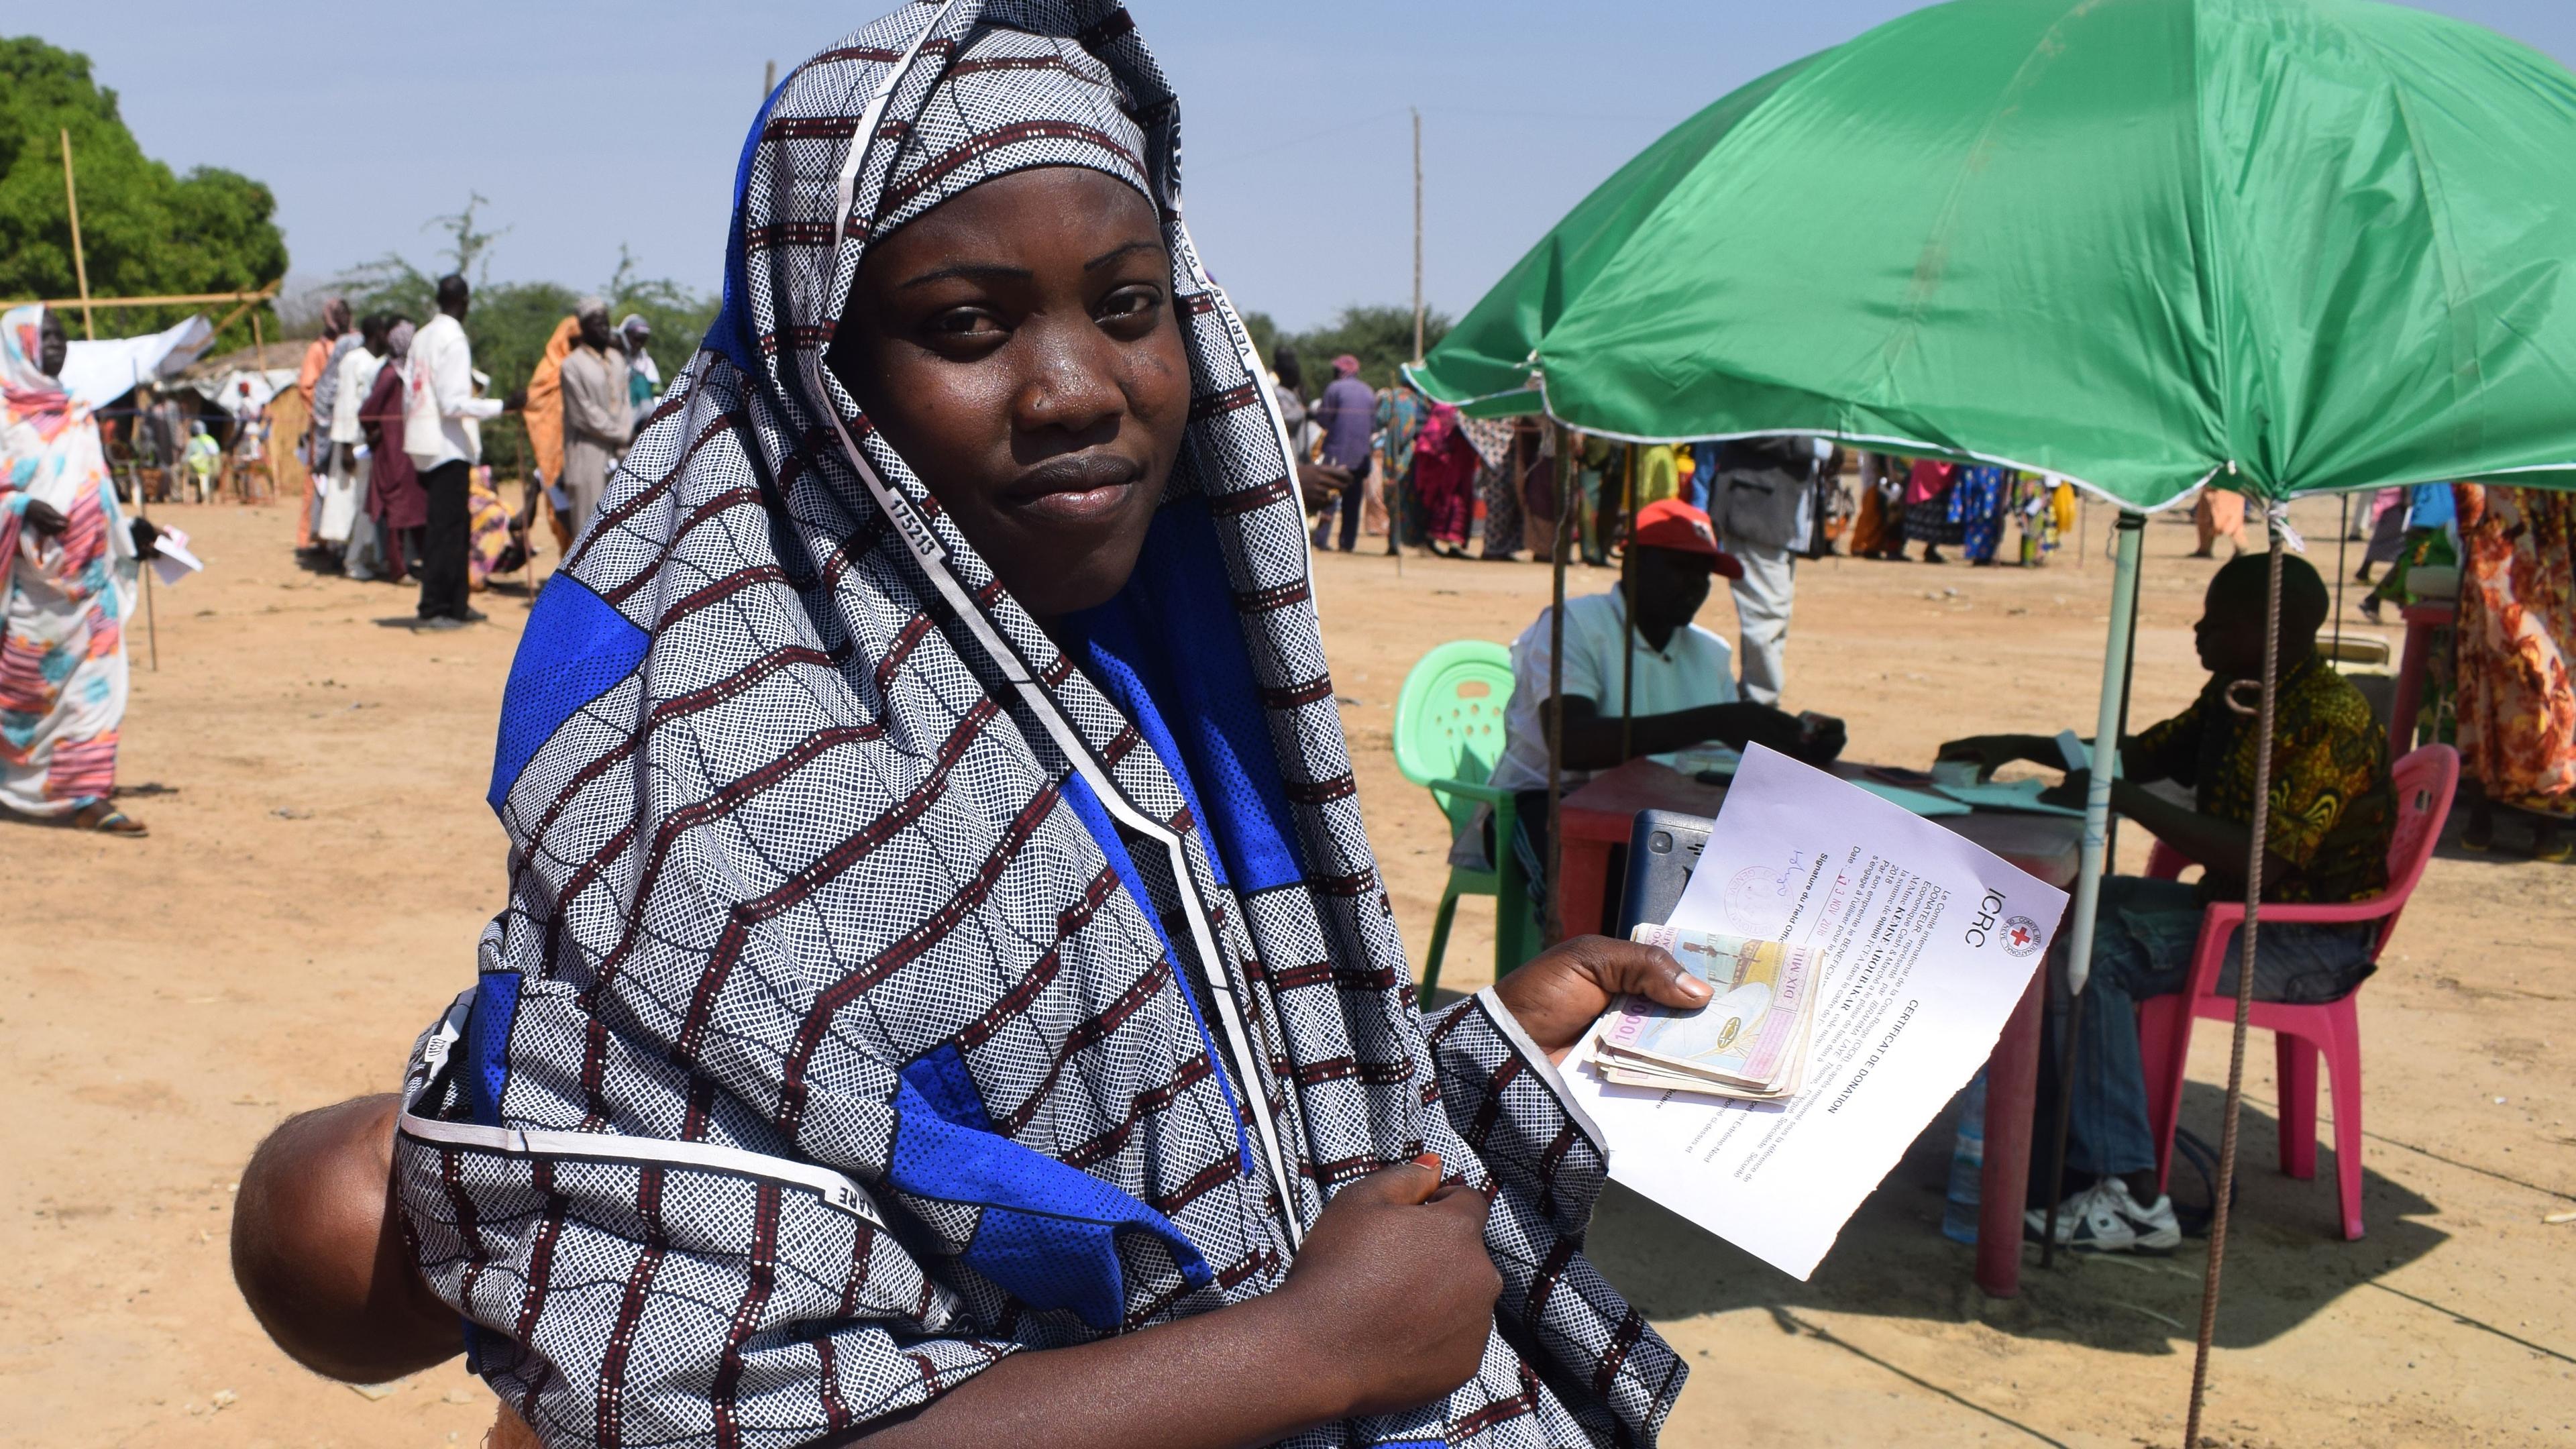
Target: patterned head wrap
[(398, 340), (883, 990), (23, 379), (1011, 102)]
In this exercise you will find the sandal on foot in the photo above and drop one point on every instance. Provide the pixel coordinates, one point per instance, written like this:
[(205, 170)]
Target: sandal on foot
[(106, 819)]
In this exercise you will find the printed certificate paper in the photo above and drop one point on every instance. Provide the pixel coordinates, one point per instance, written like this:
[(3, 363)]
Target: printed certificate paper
[(1926, 943)]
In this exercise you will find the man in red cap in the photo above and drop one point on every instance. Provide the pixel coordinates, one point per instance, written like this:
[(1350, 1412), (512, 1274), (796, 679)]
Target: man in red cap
[(1347, 413), (1683, 679)]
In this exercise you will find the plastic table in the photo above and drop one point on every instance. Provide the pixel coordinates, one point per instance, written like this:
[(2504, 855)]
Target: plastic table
[(2422, 622), (1599, 815)]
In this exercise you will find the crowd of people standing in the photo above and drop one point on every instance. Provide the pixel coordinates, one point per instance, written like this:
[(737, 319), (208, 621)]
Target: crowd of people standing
[(1420, 474), (399, 485), (1390, 463), (398, 489)]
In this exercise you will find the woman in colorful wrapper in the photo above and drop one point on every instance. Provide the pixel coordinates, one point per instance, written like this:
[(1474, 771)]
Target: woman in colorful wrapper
[(2517, 628), (946, 995), (67, 582)]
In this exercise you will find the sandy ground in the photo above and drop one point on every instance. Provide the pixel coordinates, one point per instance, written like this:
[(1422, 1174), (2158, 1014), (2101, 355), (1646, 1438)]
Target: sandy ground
[(321, 860)]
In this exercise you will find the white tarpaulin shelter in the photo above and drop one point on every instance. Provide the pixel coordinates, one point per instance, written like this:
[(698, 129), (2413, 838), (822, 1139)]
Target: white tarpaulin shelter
[(224, 389), (98, 373)]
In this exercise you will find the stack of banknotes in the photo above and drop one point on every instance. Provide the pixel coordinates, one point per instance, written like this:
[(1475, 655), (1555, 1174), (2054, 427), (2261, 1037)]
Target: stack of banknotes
[(1748, 1042)]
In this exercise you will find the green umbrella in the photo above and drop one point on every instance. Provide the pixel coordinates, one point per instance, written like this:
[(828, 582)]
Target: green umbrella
[(2281, 246), (2312, 244)]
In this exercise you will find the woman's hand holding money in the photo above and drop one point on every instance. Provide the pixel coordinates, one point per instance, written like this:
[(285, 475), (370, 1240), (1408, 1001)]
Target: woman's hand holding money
[(1557, 994)]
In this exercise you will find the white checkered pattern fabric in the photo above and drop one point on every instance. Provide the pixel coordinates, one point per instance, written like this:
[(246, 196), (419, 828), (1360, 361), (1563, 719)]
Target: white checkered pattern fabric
[(822, 832)]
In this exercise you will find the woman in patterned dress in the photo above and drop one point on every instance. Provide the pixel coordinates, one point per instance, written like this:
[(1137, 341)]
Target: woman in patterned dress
[(67, 572), (1978, 503), (2517, 634), (1930, 516), (946, 995)]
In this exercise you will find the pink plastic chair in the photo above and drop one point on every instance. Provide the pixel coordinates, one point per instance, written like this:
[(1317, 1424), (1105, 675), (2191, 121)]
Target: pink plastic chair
[(2424, 782)]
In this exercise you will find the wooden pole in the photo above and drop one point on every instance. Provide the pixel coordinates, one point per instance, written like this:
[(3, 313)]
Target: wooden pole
[(1417, 233), (80, 262), (173, 300), (243, 302)]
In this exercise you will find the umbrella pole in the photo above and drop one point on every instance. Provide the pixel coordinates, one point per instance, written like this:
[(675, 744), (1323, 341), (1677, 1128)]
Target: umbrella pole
[(1553, 930), (1628, 606), (2111, 829), (2275, 519), (2129, 530)]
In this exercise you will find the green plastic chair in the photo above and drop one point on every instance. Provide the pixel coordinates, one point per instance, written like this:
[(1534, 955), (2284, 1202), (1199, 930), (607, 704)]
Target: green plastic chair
[(1448, 735)]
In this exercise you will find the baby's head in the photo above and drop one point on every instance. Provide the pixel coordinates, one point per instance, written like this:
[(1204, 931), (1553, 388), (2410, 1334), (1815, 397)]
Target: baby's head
[(320, 1254)]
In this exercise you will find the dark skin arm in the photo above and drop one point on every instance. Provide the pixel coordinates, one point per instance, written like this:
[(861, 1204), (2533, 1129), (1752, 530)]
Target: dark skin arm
[(1387, 1307), (1592, 738), (48, 522), (2217, 846)]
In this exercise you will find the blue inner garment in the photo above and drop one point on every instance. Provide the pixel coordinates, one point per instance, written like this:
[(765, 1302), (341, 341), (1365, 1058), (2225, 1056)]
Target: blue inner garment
[(1169, 651), (575, 647)]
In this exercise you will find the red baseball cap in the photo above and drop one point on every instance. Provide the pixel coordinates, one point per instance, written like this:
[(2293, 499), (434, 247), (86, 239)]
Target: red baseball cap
[(1671, 523)]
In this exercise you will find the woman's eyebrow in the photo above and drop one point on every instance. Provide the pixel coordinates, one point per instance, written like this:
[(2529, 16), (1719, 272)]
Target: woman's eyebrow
[(1122, 249), (971, 271)]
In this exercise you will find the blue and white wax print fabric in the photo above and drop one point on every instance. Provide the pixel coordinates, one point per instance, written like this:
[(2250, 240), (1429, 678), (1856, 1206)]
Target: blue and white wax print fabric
[(879, 992)]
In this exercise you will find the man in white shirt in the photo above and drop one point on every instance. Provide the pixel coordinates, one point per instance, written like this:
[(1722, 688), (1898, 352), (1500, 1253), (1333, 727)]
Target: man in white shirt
[(344, 504), (1683, 678), (442, 433)]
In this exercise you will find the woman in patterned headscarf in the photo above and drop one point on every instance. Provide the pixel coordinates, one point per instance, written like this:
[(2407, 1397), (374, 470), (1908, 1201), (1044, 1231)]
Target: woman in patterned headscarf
[(394, 497), (946, 993), (67, 570)]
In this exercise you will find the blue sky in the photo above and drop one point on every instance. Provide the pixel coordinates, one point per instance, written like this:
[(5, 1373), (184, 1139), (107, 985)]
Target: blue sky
[(589, 124)]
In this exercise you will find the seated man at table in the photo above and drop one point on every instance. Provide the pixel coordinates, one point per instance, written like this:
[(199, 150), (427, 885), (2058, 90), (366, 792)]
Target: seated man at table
[(2326, 840), (1684, 680)]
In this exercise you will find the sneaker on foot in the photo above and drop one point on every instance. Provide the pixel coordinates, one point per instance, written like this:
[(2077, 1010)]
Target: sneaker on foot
[(440, 622), (2158, 1230), (2090, 1221)]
